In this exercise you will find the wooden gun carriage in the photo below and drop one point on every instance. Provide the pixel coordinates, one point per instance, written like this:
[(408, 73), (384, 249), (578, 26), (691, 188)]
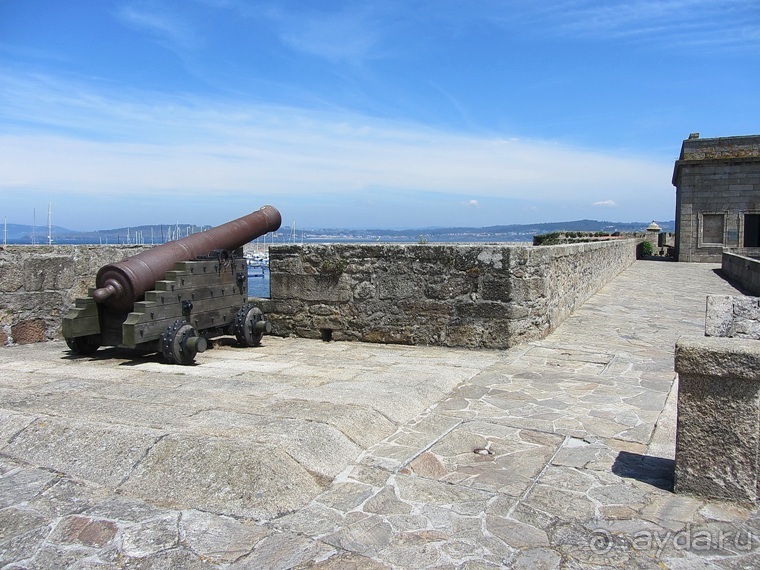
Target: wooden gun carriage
[(174, 297)]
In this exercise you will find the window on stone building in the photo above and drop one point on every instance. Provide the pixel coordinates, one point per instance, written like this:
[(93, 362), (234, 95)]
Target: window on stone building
[(712, 228), (751, 230)]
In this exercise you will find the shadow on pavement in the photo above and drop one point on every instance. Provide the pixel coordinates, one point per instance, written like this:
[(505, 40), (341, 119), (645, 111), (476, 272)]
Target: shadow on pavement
[(656, 471)]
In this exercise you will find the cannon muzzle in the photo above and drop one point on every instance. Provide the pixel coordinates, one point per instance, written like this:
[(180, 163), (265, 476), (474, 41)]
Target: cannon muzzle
[(120, 284)]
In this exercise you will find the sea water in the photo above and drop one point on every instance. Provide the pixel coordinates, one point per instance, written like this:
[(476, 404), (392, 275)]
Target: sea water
[(258, 282)]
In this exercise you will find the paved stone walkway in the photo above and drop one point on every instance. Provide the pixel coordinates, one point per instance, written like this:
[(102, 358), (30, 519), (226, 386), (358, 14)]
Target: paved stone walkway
[(555, 454)]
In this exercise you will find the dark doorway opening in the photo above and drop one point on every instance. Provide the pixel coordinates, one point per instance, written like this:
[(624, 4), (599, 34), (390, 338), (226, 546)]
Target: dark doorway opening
[(751, 230)]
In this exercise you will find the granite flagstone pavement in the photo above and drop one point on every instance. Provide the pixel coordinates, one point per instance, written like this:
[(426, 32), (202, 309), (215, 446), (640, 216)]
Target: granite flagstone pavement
[(306, 454)]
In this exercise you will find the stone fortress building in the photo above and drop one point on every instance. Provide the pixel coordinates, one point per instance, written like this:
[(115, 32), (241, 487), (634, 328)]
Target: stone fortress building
[(717, 184)]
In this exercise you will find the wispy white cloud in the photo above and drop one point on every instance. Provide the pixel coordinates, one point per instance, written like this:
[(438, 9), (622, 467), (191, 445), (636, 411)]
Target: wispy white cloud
[(471, 204), (605, 204), (728, 24), (345, 35), (166, 26), (149, 146)]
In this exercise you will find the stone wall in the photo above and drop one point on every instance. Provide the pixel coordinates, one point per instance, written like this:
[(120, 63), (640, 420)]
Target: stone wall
[(474, 295), (733, 317), (38, 285), (465, 295), (743, 270)]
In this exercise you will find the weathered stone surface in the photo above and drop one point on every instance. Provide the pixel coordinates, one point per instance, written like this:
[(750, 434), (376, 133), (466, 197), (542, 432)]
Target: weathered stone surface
[(12, 272), (536, 559), (26, 332), (38, 285), (229, 480), (126, 510), (718, 444), (369, 534), (22, 532), (386, 502), (345, 496), (515, 533), (730, 316), (349, 561), (359, 424), (151, 537), (20, 485), (301, 440), (48, 272), (89, 532), (100, 453), (11, 424), (743, 270), (446, 295), (581, 393), (63, 497)]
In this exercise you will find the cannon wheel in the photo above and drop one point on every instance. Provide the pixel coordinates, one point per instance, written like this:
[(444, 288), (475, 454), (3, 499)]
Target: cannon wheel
[(181, 342), (245, 325), (82, 345)]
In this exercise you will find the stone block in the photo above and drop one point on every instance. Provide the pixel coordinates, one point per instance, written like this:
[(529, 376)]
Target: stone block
[(733, 316), (364, 290), (328, 323), (45, 273), (457, 295), (11, 276), (449, 287), (388, 335), (467, 333), (495, 287), (718, 433), (27, 332), (427, 309), (484, 310), (310, 287), (526, 289), (719, 315), (398, 287)]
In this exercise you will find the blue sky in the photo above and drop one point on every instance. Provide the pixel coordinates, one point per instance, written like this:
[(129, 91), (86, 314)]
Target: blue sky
[(392, 114)]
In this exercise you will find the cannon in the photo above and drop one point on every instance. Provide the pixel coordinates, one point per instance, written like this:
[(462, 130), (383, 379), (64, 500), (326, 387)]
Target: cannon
[(174, 297)]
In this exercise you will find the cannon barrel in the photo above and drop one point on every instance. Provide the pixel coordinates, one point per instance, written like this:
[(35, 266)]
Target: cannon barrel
[(120, 284)]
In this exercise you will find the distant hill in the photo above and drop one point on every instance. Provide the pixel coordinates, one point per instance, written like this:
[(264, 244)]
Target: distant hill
[(510, 232), (19, 233)]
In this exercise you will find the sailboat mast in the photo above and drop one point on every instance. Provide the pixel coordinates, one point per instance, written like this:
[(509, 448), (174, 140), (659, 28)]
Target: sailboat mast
[(50, 223)]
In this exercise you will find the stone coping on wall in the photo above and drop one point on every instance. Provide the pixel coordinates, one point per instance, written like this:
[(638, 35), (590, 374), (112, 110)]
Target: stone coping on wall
[(737, 266), (719, 357), (718, 432)]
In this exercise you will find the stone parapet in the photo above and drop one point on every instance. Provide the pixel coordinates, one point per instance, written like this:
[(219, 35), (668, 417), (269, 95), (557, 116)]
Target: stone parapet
[(743, 270), (733, 316), (464, 295), (718, 432), (721, 148), (39, 283)]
